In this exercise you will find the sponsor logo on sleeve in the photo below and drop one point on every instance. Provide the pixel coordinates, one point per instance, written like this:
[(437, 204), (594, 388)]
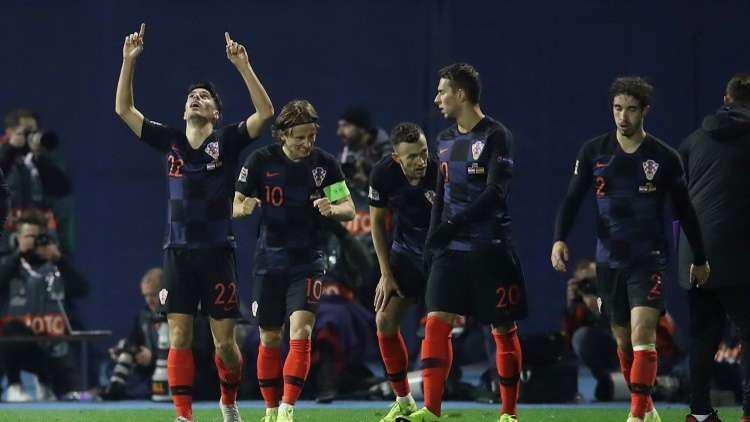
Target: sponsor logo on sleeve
[(374, 194), (575, 169), (243, 175)]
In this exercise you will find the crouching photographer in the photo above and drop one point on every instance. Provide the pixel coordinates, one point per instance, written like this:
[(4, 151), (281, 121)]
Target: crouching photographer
[(37, 286), (134, 358)]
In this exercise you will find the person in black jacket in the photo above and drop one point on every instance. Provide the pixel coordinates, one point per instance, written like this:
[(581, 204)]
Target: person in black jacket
[(35, 281), (717, 158)]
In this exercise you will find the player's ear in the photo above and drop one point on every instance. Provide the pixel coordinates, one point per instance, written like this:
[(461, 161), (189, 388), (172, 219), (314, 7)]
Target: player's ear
[(646, 110)]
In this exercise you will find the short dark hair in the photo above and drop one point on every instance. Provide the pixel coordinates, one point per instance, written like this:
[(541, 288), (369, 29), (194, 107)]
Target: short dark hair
[(294, 113), (359, 116), (583, 263), (464, 76), (405, 132), (32, 219), (634, 86), (738, 88), (13, 118), (211, 88)]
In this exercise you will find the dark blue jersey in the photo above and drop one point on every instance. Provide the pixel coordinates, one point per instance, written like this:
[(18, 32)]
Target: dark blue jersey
[(201, 182), (411, 204), (631, 191), (473, 186), (289, 232)]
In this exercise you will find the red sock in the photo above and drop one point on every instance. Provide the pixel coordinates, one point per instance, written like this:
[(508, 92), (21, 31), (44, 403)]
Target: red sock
[(269, 375), (436, 352), (641, 381), (180, 374), (508, 358), (396, 360), (296, 367), (229, 378), (626, 363)]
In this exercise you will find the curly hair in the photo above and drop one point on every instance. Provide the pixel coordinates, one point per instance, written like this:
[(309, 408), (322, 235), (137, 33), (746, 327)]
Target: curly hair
[(634, 86), (405, 132), (464, 76), (294, 113), (738, 88)]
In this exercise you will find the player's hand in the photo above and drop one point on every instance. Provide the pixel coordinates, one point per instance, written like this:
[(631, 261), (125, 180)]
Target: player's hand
[(700, 273), (246, 207), (133, 46), (441, 236), (143, 357), (386, 289), (560, 256), (236, 52), (324, 206)]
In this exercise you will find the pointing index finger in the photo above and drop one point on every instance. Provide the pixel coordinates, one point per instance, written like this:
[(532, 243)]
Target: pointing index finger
[(142, 31), (227, 37)]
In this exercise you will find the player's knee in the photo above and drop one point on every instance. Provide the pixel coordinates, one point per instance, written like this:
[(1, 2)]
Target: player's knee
[(386, 323), (300, 331), (643, 333), (270, 338), (446, 317), (180, 337)]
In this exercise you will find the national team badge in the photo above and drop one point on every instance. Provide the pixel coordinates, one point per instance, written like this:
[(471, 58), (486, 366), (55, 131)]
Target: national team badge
[(650, 167), (212, 149), (163, 296), (476, 149), (430, 196), (319, 175)]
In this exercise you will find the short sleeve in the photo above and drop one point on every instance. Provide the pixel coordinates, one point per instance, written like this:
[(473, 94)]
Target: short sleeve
[(236, 136), (378, 196), (157, 135), (248, 182)]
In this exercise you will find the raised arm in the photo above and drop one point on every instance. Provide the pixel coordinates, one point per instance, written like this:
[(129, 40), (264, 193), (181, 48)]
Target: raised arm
[(237, 54), (124, 105)]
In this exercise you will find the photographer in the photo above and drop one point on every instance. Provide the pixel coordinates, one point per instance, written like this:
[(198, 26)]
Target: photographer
[(35, 281), (134, 356), (35, 179), (591, 339)]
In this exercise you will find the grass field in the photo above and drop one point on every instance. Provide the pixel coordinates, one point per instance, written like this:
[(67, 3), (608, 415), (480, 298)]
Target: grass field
[(341, 415)]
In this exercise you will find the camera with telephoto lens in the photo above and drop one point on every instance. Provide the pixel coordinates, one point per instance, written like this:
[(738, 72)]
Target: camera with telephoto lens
[(587, 286), (42, 239)]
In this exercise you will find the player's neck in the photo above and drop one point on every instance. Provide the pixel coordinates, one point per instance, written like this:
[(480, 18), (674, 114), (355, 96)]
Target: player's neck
[(469, 118), (289, 154), (197, 131), (630, 144)]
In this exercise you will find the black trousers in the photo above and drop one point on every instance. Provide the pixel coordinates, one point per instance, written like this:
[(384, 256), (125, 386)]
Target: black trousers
[(709, 311)]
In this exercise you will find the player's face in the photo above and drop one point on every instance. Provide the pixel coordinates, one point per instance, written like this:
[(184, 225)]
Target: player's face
[(628, 114), (150, 294), (26, 236), (200, 104), (348, 132), (446, 99), (300, 139), (412, 157)]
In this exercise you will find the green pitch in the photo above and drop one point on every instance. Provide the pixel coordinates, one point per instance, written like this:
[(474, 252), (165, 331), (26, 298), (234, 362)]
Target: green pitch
[(341, 415)]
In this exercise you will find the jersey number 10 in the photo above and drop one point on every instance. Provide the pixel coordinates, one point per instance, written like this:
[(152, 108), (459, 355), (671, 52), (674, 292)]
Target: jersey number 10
[(275, 195)]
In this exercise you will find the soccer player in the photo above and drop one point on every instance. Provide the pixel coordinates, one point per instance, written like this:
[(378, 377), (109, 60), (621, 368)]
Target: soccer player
[(297, 186), (475, 270), (631, 173), (199, 262), (404, 183)]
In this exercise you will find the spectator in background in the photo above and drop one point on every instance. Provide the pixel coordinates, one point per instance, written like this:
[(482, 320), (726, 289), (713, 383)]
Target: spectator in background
[(134, 356), (591, 338), (38, 284), (364, 145), (36, 180), (716, 159)]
